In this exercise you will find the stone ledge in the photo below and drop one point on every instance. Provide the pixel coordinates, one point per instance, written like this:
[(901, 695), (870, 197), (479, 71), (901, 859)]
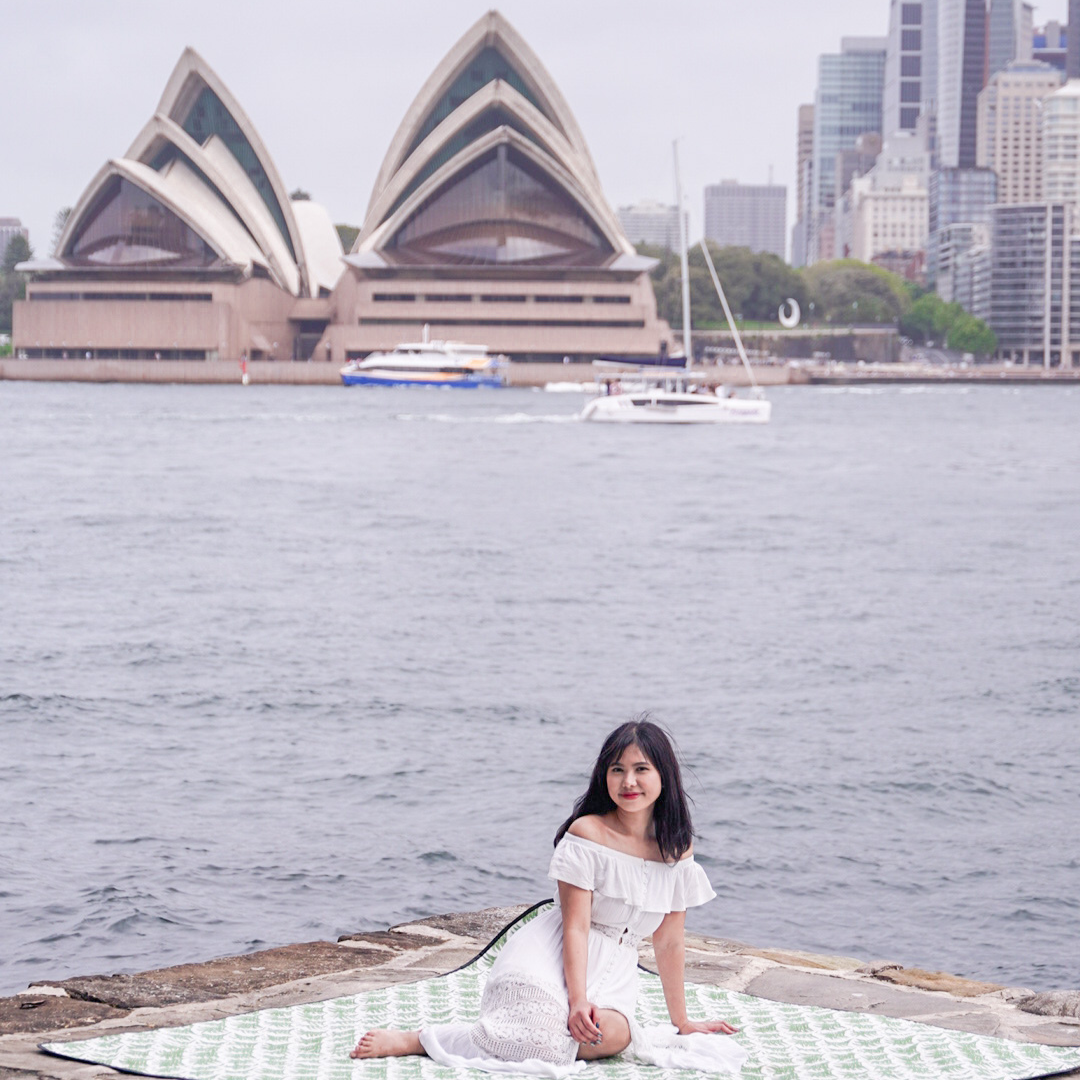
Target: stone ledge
[(95, 1005)]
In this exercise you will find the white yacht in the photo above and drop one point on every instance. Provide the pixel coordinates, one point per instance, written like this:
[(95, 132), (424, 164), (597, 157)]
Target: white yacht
[(670, 397), (661, 394)]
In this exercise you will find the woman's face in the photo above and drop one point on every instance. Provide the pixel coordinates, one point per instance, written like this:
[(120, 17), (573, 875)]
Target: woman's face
[(633, 782)]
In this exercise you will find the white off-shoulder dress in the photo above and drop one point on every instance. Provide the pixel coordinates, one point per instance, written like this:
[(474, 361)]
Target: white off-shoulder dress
[(525, 1006)]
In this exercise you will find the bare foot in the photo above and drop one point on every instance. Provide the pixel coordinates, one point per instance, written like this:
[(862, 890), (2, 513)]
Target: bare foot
[(377, 1044)]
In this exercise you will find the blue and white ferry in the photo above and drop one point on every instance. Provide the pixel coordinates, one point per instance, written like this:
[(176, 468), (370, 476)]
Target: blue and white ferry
[(428, 363)]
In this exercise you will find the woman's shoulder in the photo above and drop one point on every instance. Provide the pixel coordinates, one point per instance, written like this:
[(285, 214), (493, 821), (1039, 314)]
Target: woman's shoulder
[(596, 830), (590, 827)]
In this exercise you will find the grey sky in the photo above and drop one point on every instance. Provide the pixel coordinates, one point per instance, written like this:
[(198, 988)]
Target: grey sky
[(326, 82)]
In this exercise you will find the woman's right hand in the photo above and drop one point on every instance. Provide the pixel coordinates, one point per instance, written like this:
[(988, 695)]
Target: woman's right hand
[(582, 1023)]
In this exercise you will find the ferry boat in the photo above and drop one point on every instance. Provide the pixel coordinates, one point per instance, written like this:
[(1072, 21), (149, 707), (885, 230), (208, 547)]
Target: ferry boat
[(428, 363)]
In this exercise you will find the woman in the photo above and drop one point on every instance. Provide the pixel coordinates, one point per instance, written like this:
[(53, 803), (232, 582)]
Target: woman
[(563, 989)]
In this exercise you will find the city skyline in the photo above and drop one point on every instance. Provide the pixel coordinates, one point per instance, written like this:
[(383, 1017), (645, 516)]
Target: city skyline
[(330, 121)]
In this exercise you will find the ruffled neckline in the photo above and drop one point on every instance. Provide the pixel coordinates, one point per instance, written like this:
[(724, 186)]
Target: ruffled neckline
[(624, 854), (646, 884)]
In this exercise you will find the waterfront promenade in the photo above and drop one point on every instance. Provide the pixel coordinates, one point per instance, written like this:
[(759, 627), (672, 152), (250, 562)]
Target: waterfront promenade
[(285, 373), (110, 1004)]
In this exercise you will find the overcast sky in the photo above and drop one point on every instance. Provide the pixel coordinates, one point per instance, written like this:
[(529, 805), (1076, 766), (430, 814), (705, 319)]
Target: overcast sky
[(326, 83)]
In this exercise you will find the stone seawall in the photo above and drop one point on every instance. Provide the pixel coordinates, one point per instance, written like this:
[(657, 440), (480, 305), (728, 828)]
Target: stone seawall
[(293, 974), (286, 373), (169, 371), (871, 344)]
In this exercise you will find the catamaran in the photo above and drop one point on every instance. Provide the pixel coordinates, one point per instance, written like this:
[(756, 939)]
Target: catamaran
[(658, 394)]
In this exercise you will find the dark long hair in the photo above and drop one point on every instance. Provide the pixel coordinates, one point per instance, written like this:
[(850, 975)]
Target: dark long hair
[(671, 815)]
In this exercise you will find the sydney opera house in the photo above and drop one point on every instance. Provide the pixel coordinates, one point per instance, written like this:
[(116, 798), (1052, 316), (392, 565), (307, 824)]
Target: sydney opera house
[(487, 223)]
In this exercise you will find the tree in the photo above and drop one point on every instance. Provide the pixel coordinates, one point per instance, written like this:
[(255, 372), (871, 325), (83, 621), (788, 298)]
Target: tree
[(59, 224), (347, 234), (755, 284), (18, 250), (930, 318), (918, 323), (12, 283), (971, 335), (848, 291)]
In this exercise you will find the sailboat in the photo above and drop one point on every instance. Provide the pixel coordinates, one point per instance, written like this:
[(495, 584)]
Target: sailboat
[(669, 395)]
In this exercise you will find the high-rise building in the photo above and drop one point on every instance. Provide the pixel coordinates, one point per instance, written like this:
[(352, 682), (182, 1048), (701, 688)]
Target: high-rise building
[(652, 223), (961, 195), (10, 227), (753, 216), (1034, 308), (954, 244), (1009, 33), (1061, 144), (850, 164), (804, 160), (1072, 58), (804, 171), (1050, 44), (956, 196), (1009, 131), (889, 203), (961, 75), (911, 64), (848, 102), (972, 275), (857, 161)]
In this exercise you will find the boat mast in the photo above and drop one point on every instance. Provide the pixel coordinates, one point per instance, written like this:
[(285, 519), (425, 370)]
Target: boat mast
[(684, 263), (727, 314)]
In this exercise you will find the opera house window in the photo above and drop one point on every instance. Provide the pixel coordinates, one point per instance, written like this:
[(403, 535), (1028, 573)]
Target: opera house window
[(129, 227), (500, 209), (488, 66)]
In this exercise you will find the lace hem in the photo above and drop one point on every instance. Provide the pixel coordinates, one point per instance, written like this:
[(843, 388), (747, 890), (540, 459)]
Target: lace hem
[(522, 1019)]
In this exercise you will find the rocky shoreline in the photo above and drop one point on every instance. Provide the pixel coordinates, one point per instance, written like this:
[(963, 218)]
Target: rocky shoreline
[(99, 1004)]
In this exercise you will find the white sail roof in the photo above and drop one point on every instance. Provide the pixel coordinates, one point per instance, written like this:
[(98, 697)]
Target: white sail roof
[(200, 159), (490, 129)]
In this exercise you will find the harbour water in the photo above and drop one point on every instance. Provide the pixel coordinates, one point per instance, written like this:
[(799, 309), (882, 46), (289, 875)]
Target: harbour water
[(279, 663)]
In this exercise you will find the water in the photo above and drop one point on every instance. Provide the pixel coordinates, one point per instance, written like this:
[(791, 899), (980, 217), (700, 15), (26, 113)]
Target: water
[(279, 663)]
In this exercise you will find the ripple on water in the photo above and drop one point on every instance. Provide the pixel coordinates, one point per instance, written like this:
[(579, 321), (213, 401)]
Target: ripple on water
[(294, 663)]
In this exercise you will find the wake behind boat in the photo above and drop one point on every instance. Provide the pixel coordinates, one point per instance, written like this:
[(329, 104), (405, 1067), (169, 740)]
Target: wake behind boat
[(428, 363)]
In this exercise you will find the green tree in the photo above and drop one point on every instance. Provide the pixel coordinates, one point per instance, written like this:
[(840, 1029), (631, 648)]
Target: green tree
[(755, 284), (18, 250), (347, 234), (847, 291), (929, 318), (972, 335), (59, 224), (12, 283)]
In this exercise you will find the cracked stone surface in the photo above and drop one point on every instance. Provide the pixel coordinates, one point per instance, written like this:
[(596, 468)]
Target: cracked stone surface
[(1053, 1003), (221, 978), (94, 1005)]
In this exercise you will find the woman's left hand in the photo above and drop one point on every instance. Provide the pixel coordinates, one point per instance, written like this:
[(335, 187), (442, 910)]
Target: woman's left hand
[(707, 1027)]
